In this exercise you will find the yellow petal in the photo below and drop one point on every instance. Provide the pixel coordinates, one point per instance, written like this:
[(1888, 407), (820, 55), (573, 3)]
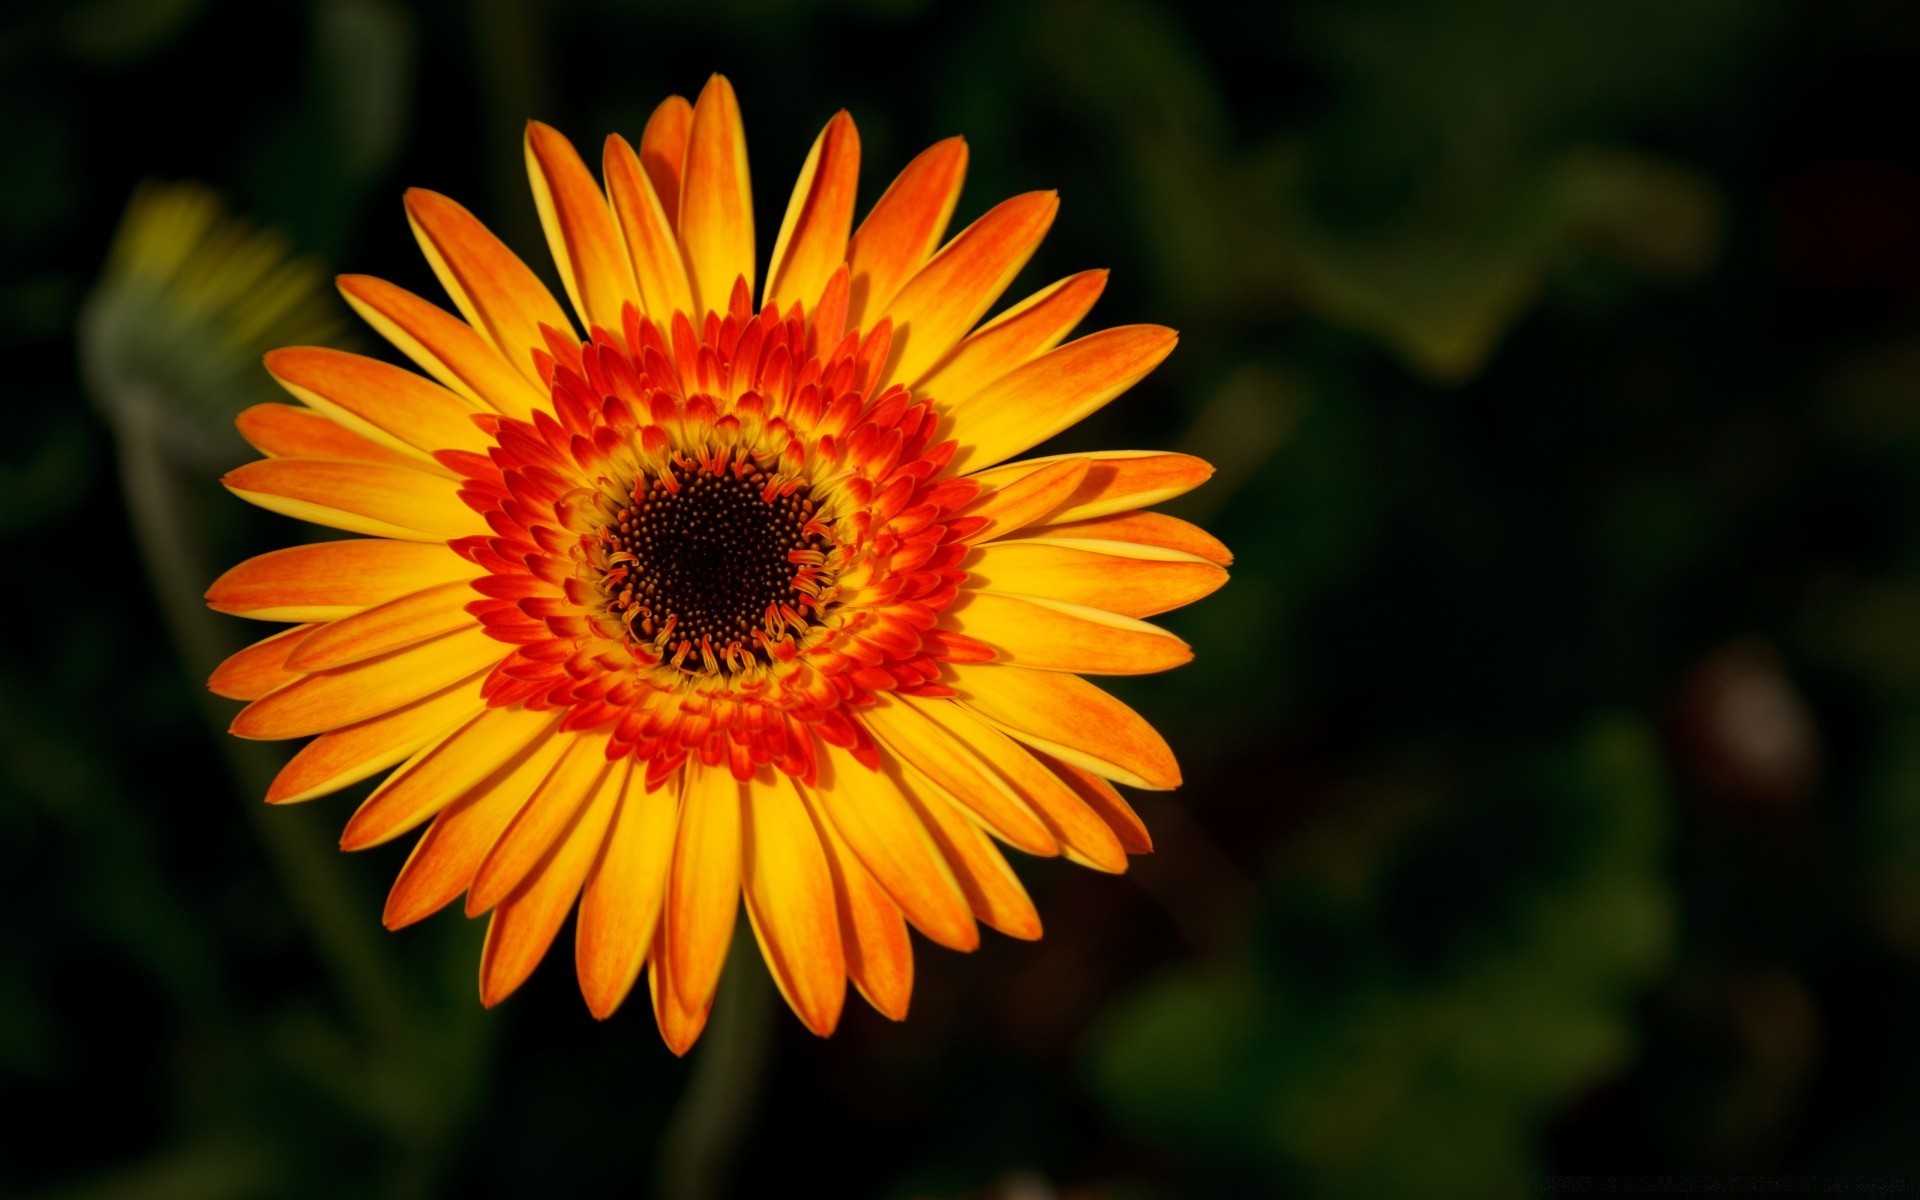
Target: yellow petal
[(813, 236), (716, 200), (910, 734), (385, 404), (449, 852), (663, 150), (524, 924), (1054, 391), (1105, 800), (1120, 577), (867, 811), (1012, 339), (386, 627), (1081, 834), (370, 498), (1140, 528), (346, 695), (580, 230), (444, 771), (321, 581), (500, 297), (944, 299), (346, 756), (620, 907), (284, 431), (873, 934), (1116, 480), (1054, 635), (790, 903), (680, 1022), (1027, 499), (445, 347), (993, 891), (577, 776), (703, 886), (260, 668), (906, 223), (1071, 719), (647, 232)]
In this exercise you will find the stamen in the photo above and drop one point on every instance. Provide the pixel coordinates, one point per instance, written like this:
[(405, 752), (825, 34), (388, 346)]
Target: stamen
[(712, 561)]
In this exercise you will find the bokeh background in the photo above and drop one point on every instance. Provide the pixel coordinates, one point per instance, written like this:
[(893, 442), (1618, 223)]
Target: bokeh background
[(1553, 759)]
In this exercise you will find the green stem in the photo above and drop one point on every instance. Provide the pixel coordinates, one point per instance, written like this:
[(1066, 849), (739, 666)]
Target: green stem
[(698, 1148), (176, 563)]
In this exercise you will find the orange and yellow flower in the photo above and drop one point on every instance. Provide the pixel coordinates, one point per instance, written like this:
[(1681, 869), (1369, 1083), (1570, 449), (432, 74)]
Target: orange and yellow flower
[(719, 603)]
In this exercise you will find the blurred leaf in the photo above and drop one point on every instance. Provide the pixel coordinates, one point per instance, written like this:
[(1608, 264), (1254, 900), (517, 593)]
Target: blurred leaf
[(364, 50), (117, 30), (57, 474), (1441, 290)]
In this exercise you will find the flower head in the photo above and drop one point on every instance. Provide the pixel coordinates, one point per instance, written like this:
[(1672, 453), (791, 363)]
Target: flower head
[(697, 601), (170, 340)]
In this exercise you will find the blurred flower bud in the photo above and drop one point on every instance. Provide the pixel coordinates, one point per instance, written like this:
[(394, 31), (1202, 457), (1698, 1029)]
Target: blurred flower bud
[(170, 339), (1744, 732)]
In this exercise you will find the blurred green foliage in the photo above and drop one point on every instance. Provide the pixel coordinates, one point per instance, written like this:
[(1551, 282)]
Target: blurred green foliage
[(1423, 989), (1552, 758)]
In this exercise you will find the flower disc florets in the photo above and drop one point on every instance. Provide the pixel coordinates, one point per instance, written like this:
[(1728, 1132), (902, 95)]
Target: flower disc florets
[(721, 544)]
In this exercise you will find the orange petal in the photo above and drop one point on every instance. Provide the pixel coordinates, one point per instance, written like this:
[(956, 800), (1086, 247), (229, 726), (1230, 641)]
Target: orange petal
[(260, 668), (524, 924), (1054, 391), (1120, 577), (873, 934), (396, 408), (1027, 499), (346, 756), (680, 1023), (347, 695), (647, 232), (578, 775), (813, 237), (284, 431), (1053, 635), (1012, 339), (1140, 528), (716, 200), (501, 298), (663, 150), (621, 905), (1071, 719), (371, 498), (937, 307), (1082, 836), (905, 225), (320, 581), (912, 736), (580, 230), (1105, 800), (449, 852), (1116, 480), (443, 772), (791, 906), (992, 890), (703, 886), (445, 347), (868, 812), (401, 622)]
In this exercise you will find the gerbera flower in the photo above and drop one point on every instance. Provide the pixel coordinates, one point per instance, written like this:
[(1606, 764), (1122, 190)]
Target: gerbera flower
[(717, 602)]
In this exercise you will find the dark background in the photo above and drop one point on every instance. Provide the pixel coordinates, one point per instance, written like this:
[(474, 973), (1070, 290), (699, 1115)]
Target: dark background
[(1553, 759)]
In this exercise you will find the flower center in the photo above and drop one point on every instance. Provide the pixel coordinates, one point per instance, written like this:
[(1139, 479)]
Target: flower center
[(712, 563)]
